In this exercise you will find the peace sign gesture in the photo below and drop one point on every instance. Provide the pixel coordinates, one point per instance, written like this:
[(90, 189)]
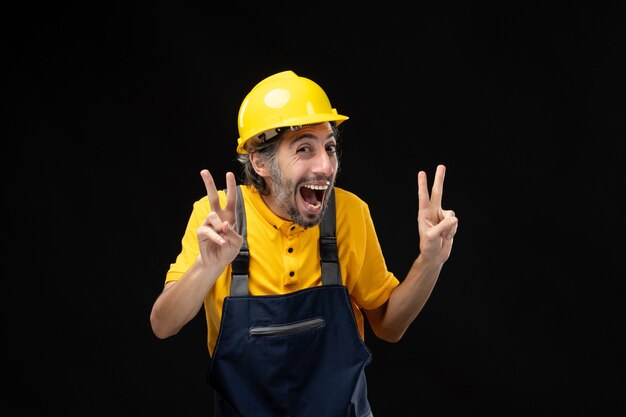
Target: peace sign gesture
[(436, 226), (217, 235)]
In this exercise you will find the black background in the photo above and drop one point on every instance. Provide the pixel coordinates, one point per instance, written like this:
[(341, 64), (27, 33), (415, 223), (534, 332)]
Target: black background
[(113, 110)]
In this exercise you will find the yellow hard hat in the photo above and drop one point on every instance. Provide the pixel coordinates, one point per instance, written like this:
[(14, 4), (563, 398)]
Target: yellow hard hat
[(282, 100)]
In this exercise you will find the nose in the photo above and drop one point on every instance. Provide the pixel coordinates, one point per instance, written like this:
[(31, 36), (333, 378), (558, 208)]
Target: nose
[(324, 164)]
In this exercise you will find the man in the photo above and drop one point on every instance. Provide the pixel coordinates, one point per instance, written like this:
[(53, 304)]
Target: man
[(287, 265)]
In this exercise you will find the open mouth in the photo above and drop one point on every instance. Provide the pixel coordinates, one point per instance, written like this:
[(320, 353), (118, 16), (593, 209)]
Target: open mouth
[(313, 196)]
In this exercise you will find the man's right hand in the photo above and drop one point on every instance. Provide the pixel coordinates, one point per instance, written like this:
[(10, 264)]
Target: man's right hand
[(217, 236)]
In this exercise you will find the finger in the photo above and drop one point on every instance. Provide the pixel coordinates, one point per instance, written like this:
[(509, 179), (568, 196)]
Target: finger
[(422, 191), (437, 192), (213, 221), (447, 228), (210, 189), (214, 228), (452, 233), (228, 232), (231, 192), (209, 233)]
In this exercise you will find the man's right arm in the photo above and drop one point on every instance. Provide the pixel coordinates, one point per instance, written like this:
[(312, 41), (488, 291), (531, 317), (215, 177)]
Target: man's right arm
[(181, 300), (218, 244)]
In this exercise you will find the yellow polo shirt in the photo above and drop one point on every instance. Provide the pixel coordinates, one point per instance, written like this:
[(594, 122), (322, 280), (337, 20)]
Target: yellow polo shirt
[(285, 257)]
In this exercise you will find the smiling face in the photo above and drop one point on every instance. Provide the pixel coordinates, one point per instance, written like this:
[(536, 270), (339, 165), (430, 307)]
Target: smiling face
[(302, 174)]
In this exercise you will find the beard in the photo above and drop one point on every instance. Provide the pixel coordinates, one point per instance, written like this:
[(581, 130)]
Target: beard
[(284, 192)]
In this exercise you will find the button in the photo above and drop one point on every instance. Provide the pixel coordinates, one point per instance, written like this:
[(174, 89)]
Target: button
[(291, 274), (290, 250)]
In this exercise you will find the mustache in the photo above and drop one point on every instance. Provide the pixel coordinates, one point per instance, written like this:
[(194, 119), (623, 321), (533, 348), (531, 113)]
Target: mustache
[(314, 179)]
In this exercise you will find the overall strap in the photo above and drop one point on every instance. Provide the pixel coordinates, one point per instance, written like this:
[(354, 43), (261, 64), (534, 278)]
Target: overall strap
[(239, 281), (331, 272)]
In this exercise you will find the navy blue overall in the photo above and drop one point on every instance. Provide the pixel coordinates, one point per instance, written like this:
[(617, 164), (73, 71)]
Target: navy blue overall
[(298, 354)]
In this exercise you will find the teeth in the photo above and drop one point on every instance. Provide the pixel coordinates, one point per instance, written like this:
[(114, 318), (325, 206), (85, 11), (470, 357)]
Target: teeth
[(316, 187)]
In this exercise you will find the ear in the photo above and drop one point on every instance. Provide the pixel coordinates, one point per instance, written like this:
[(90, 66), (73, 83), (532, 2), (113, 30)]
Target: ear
[(259, 164)]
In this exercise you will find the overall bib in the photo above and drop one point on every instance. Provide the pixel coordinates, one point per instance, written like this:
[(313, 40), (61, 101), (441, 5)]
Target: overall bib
[(290, 355)]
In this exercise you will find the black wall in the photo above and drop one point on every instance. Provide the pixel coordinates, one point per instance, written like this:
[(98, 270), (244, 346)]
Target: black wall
[(113, 110)]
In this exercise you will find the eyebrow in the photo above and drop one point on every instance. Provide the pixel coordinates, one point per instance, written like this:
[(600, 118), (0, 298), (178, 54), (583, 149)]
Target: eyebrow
[(305, 135)]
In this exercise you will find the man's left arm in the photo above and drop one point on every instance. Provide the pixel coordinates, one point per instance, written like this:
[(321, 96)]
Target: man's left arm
[(437, 228)]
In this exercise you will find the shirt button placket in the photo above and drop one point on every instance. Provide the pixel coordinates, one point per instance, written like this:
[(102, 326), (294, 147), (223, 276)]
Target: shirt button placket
[(291, 263)]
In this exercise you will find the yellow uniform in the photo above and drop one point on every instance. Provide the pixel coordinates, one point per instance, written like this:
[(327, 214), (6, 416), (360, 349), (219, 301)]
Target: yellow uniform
[(285, 257)]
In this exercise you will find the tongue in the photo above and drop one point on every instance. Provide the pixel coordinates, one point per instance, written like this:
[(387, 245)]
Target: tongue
[(308, 195)]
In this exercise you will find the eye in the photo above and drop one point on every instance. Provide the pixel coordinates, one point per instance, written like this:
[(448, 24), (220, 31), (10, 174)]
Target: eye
[(305, 149), (331, 148)]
